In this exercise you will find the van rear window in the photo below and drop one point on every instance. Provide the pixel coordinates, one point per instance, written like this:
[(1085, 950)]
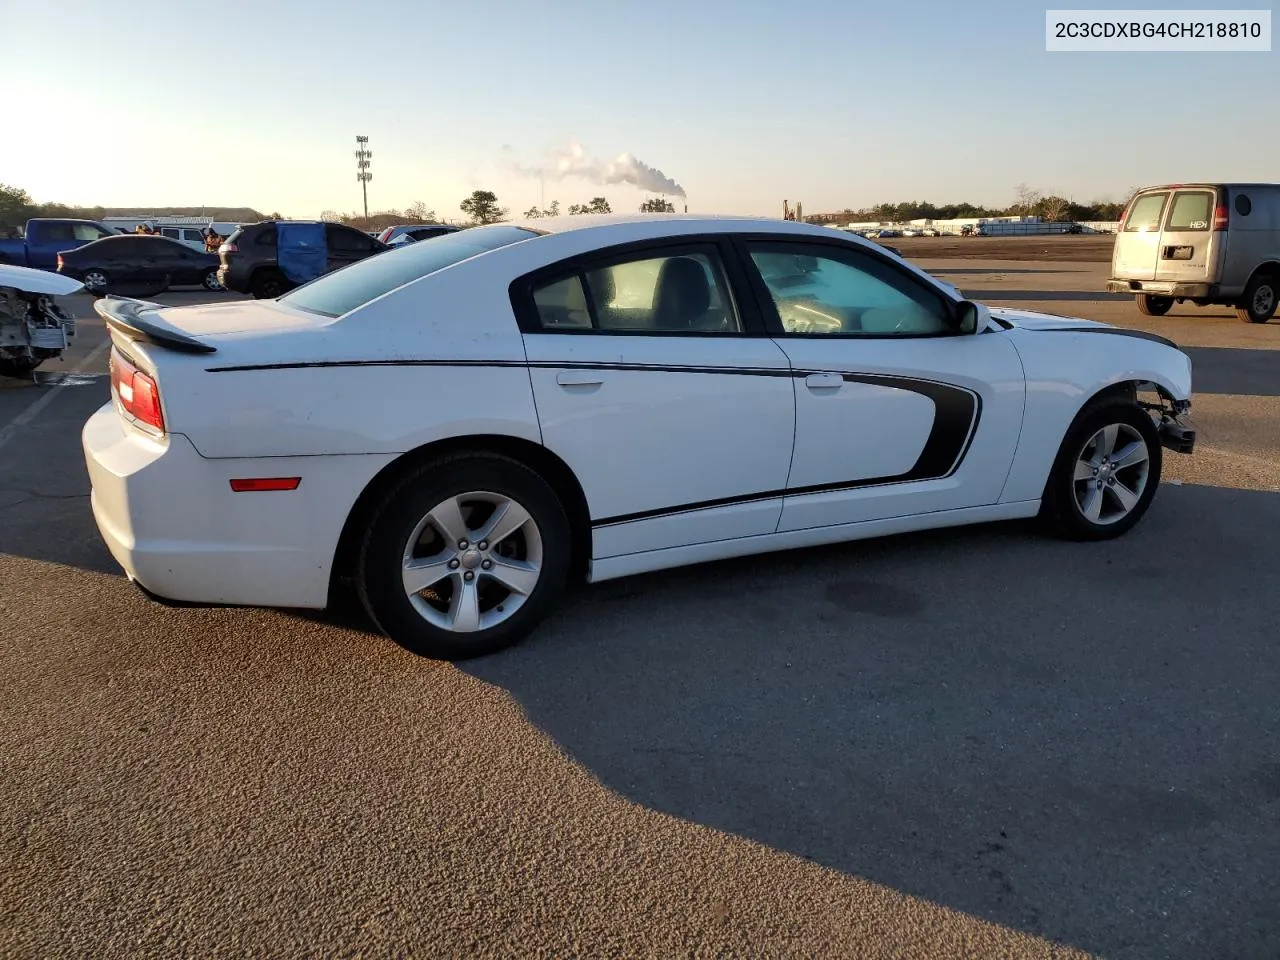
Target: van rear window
[(1191, 211), (1144, 216)]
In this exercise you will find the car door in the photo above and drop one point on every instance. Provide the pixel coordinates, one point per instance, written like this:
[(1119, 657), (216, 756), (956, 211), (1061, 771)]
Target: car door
[(174, 259), (47, 239), (346, 245), (661, 393), (1137, 250), (897, 413)]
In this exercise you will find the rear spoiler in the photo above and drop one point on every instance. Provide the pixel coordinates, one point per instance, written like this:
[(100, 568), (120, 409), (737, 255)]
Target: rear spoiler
[(123, 314)]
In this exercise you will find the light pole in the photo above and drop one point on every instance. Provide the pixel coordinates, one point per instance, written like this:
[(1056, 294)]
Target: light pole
[(363, 156)]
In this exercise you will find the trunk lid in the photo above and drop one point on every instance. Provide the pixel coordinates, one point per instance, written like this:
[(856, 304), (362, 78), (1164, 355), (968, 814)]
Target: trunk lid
[(204, 328)]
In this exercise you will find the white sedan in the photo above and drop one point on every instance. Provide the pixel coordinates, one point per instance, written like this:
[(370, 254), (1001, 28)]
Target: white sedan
[(460, 428)]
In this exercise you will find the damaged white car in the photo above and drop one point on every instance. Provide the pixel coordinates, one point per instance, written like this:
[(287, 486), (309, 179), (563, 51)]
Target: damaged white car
[(33, 328)]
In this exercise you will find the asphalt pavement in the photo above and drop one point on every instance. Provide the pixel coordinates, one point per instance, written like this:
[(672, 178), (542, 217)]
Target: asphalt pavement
[(972, 743)]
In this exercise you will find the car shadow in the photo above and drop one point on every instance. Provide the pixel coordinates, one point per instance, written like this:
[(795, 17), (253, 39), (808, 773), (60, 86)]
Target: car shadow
[(1032, 296), (975, 271), (1069, 739), (1234, 370)]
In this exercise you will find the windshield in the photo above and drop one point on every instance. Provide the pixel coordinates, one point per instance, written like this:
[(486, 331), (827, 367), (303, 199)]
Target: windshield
[(343, 290)]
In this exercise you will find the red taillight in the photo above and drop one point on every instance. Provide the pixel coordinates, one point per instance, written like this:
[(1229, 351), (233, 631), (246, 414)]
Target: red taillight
[(251, 484), (228, 248), (1220, 217), (137, 392)]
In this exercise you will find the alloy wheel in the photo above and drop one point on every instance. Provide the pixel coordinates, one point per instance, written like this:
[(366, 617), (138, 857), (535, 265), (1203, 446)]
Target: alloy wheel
[(1111, 474), (472, 562)]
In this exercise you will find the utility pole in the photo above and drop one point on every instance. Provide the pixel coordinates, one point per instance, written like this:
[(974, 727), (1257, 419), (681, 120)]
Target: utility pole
[(363, 156)]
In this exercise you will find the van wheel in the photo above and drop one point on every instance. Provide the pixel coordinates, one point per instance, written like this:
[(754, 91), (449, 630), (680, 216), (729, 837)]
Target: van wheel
[(1259, 302), (1154, 306)]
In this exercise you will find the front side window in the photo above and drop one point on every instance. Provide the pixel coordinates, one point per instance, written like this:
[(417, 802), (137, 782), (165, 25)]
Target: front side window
[(1144, 216), (679, 291), (1191, 211), (818, 290)]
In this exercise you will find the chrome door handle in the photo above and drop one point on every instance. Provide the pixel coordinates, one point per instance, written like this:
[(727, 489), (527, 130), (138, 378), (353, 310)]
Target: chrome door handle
[(821, 380), (587, 379)]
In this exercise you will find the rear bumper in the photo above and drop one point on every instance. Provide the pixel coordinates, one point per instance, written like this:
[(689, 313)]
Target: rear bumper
[(170, 519), (1163, 288)]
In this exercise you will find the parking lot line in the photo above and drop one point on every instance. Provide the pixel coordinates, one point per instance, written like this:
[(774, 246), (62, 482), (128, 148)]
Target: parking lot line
[(10, 430)]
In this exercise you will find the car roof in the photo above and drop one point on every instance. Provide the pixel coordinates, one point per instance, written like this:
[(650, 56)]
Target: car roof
[(620, 227)]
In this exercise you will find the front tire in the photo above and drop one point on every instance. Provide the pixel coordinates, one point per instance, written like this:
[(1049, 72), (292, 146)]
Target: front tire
[(210, 280), (1153, 306), (464, 557), (1258, 305), (1106, 473), (18, 368)]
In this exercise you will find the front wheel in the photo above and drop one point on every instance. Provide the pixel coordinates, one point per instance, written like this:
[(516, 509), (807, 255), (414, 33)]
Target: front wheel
[(210, 280), (19, 368), (464, 557), (1260, 299), (1153, 306), (1106, 473)]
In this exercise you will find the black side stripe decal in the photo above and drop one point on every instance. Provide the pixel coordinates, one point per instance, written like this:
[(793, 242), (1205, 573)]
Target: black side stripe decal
[(1115, 332), (955, 423), (958, 411)]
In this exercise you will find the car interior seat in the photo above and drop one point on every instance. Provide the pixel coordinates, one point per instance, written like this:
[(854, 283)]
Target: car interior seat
[(682, 295)]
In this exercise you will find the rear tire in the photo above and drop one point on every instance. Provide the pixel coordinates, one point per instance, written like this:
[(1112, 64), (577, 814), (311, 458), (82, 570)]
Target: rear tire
[(1258, 305), (267, 285), (210, 280), (1096, 493), (1153, 306), (464, 608)]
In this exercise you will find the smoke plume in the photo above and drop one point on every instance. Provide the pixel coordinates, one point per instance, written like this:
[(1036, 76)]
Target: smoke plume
[(572, 161)]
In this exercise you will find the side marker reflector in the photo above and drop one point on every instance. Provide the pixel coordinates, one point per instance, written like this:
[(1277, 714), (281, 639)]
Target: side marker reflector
[(251, 484)]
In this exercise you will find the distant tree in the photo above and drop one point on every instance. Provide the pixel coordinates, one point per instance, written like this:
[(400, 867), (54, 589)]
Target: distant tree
[(657, 205), (553, 210), (532, 213), (328, 216), (597, 205), (15, 204), (482, 207), (1053, 209), (276, 215), (420, 212)]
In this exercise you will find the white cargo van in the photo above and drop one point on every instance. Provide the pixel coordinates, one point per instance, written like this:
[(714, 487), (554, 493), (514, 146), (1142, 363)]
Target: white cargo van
[(1206, 243)]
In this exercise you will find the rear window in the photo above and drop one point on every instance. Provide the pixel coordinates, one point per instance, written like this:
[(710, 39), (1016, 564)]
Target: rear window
[(1145, 214), (1191, 211), (343, 290)]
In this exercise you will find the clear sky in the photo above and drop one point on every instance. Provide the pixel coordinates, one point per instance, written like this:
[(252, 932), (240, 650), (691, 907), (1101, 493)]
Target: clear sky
[(835, 103)]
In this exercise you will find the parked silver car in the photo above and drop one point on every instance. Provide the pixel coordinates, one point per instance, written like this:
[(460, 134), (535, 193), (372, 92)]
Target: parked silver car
[(1207, 243)]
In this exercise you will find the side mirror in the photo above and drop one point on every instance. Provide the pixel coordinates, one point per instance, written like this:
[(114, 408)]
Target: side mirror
[(972, 317)]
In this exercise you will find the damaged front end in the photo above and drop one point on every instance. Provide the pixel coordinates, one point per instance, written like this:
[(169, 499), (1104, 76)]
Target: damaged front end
[(33, 328), (1170, 416)]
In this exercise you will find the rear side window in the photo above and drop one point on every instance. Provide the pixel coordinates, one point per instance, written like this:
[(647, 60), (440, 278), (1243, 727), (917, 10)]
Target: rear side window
[(88, 231), (55, 232), (1191, 211), (1145, 215), (266, 237), (344, 290)]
